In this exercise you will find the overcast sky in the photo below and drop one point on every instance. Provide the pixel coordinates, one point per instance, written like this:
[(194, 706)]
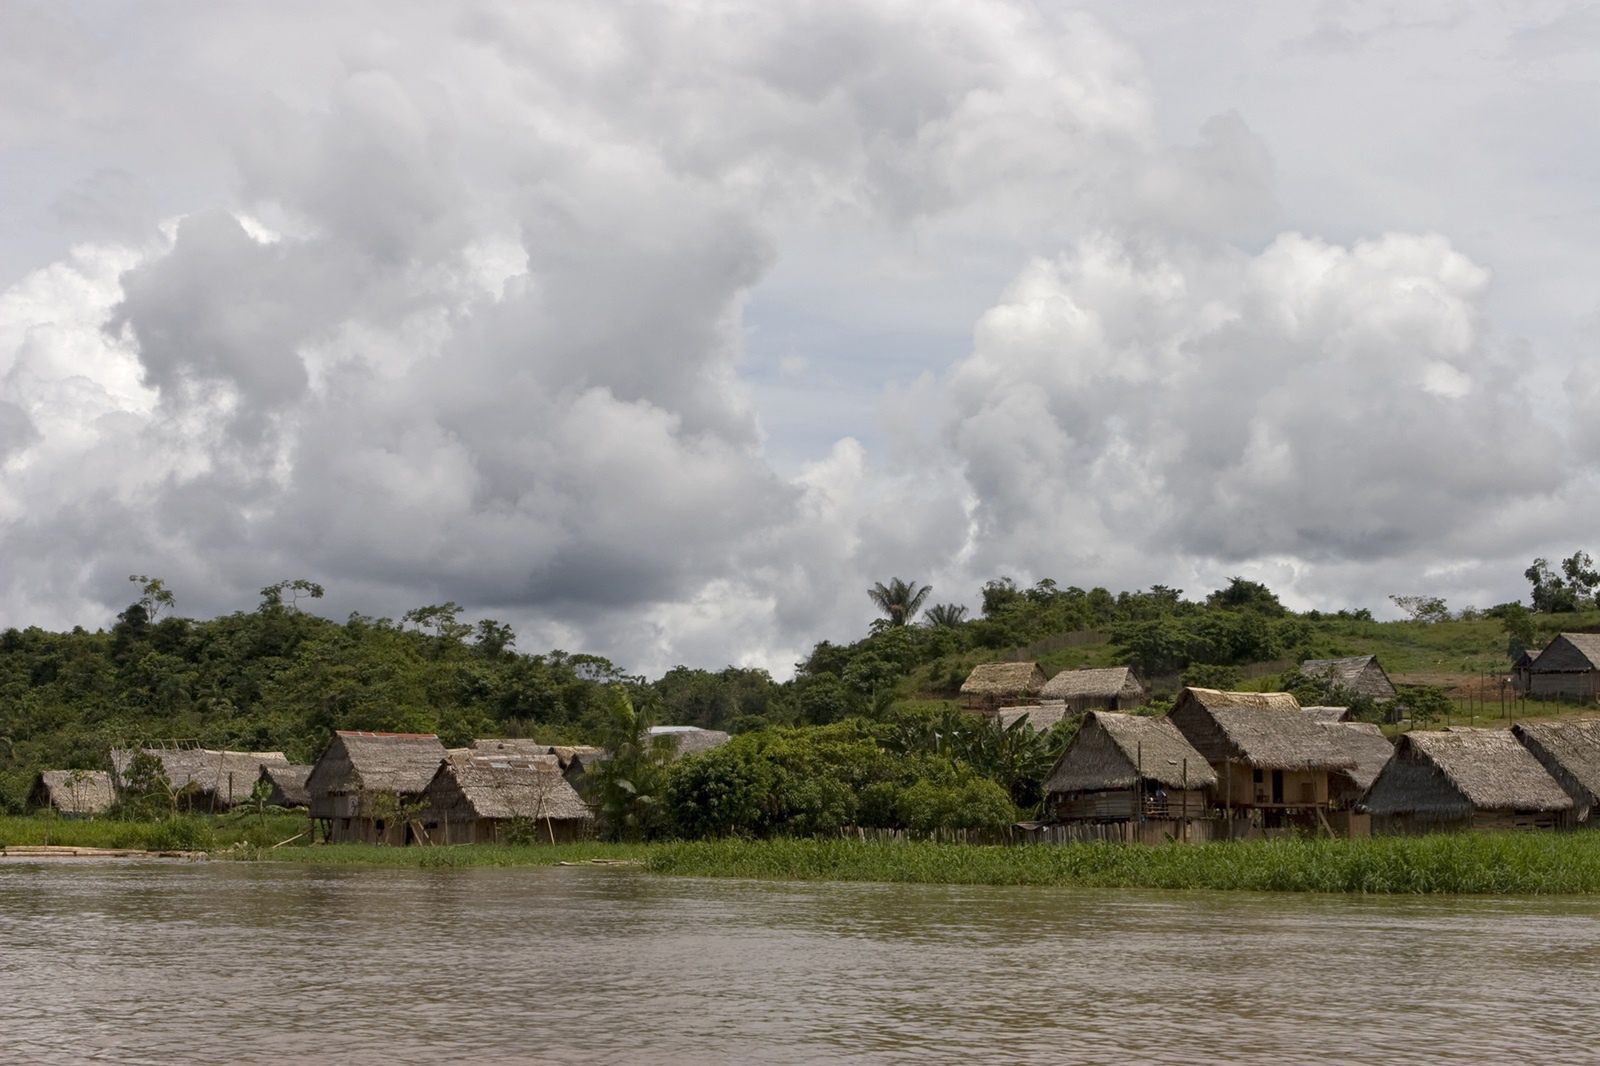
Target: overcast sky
[(662, 331)]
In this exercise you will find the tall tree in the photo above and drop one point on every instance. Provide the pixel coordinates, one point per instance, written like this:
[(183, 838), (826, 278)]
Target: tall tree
[(945, 615), (898, 600)]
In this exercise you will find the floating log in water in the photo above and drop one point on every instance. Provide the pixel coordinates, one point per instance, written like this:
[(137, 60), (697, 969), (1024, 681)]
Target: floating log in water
[(59, 851)]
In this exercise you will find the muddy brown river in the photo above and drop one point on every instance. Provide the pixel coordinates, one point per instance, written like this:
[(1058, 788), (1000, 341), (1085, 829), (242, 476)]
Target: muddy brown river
[(151, 962)]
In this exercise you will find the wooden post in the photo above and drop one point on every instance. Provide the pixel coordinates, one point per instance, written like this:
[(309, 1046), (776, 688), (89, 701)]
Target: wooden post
[(1183, 803), (1138, 788)]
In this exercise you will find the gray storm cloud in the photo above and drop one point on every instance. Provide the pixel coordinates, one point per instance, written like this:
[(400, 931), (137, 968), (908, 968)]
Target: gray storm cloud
[(462, 310)]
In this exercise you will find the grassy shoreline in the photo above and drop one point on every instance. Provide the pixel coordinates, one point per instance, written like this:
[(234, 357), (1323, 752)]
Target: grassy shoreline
[(1460, 864)]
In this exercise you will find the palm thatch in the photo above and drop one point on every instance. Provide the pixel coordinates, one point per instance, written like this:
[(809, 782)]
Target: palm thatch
[(1453, 773), (1327, 714), (1569, 652), (354, 762), (503, 787), (565, 753), (1359, 673), (690, 739), (73, 791), (1116, 751), (1570, 752), (1105, 683), (203, 776), (288, 784), (1041, 716), (1263, 730), (1004, 680), (1364, 743)]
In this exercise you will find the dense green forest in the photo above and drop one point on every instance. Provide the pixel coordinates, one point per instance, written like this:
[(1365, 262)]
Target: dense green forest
[(280, 677)]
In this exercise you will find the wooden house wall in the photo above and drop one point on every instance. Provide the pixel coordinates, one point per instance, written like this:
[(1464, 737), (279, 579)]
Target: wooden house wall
[(1564, 684), (1237, 787), (1120, 805)]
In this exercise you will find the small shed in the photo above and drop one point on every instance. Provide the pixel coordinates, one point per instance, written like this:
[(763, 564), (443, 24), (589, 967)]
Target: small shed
[(1570, 752), (1041, 716), (1568, 668), (689, 739), (367, 787), (1361, 674), (84, 793), (497, 799), (1464, 779), (1522, 670), (203, 779), (287, 782), (1124, 767), (1370, 752), (1111, 688), (1268, 755), (991, 686)]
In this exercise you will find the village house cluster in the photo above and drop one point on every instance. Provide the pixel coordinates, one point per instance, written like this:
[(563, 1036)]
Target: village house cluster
[(1237, 765), (371, 787)]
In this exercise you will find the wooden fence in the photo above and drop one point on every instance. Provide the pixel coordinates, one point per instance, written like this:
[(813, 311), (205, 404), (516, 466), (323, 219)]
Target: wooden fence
[(1151, 831)]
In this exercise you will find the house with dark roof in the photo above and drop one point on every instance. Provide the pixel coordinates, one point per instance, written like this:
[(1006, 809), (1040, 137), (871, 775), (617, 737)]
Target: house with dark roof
[(1461, 778), (1275, 765), (1124, 767), (1111, 688), (1570, 751), (1361, 674), (1568, 668), (367, 787)]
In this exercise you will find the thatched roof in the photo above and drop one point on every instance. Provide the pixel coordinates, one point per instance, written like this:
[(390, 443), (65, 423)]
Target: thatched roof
[(227, 775), (507, 787), (1112, 751), (1525, 660), (1264, 730), (1041, 716), (1104, 683), (690, 739), (1004, 679), (402, 763), (1360, 673), (1569, 652), (74, 791), (565, 753), (1570, 752), (288, 783), (1366, 745), (1451, 773), (1327, 714)]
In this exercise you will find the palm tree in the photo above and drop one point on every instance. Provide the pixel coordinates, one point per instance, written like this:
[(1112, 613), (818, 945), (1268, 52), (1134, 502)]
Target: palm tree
[(899, 600), (946, 615)]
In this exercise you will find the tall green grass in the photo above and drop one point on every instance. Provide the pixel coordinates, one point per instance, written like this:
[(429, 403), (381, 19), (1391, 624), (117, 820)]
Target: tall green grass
[(181, 833), (1447, 863)]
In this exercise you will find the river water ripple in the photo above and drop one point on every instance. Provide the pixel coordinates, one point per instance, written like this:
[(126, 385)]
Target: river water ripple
[(144, 962)]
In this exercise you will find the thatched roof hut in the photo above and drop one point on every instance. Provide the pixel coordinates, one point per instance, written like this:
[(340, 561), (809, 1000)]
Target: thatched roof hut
[(1326, 714), (471, 798), (288, 784), (1264, 730), (1116, 751), (993, 683), (1359, 673), (1570, 752), (1568, 666), (1463, 777), (84, 792), (1366, 745), (1041, 716), (204, 777), (1114, 687), (690, 739), (357, 762)]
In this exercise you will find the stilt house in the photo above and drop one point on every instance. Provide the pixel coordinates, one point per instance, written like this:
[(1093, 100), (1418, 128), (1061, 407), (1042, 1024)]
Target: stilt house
[(367, 787), (1570, 752), (1369, 750), (1568, 668), (1123, 767), (75, 792), (991, 686), (1273, 763), (1464, 779), (474, 799), (1113, 688)]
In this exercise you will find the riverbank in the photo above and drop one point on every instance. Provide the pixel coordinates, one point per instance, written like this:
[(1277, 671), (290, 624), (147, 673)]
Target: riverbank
[(188, 832), (1461, 864)]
